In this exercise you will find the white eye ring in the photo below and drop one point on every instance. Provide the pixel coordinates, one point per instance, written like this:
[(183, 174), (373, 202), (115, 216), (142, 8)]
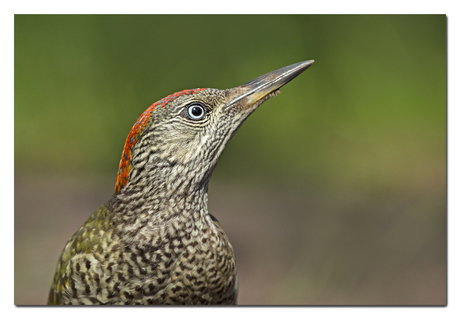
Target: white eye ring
[(196, 111)]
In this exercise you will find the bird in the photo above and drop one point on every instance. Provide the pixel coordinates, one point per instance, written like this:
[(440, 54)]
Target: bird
[(154, 241)]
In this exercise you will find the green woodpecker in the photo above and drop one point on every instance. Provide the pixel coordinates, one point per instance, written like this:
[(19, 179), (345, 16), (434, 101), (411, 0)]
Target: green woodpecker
[(154, 241)]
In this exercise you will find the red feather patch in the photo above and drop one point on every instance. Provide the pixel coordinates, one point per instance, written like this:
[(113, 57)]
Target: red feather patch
[(125, 162)]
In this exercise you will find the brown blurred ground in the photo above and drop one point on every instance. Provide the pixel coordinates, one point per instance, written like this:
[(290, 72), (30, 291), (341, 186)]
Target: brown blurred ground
[(294, 245)]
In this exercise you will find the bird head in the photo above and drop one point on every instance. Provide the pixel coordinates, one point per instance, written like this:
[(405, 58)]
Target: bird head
[(176, 143)]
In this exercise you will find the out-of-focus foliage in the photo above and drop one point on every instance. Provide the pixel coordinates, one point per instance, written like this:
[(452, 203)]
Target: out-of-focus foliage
[(370, 110)]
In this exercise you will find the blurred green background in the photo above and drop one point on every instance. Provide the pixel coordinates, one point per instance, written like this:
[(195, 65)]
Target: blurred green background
[(332, 193)]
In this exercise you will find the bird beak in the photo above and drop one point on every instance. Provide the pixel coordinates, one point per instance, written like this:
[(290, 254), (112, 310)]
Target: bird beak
[(267, 85)]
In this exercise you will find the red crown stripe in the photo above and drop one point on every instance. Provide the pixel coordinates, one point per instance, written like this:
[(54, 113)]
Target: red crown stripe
[(125, 167)]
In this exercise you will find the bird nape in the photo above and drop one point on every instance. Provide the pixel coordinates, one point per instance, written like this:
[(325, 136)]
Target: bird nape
[(154, 241)]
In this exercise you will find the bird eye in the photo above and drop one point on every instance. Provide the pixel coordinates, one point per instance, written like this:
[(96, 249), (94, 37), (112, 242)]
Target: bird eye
[(196, 111)]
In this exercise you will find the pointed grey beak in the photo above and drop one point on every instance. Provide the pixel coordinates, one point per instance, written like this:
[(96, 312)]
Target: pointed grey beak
[(259, 88)]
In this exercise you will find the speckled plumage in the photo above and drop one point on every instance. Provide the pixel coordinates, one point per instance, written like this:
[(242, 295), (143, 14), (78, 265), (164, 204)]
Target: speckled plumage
[(154, 241)]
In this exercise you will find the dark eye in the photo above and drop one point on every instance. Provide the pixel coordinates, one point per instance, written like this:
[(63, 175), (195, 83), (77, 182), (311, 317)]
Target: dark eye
[(196, 111)]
